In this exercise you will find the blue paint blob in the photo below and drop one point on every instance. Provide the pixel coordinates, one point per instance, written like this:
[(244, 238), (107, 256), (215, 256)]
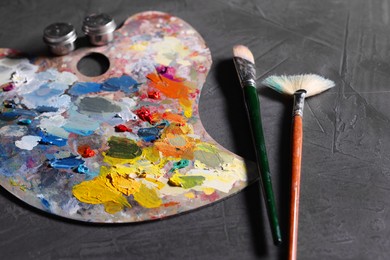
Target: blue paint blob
[(82, 169), (44, 109), (69, 163), (150, 134), (49, 139), (124, 83), (24, 112), (78, 131), (12, 114), (106, 86), (45, 203), (82, 88), (9, 115)]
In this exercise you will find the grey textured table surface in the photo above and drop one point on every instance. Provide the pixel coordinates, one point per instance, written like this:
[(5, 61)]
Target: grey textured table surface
[(345, 196)]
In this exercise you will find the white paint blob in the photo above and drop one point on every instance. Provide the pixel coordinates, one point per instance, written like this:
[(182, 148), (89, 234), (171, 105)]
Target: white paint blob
[(28, 142), (52, 123)]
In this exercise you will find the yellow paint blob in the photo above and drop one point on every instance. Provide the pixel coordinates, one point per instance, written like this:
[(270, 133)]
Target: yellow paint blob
[(147, 197), (199, 165), (149, 163), (126, 185), (157, 183), (139, 46), (112, 207), (175, 180), (174, 129), (115, 161), (190, 195), (151, 153), (100, 191), (186, 181), (22, 187), (169, 49), (208, 191)]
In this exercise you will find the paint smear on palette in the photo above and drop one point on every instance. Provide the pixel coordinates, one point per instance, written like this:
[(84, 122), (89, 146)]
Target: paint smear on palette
[(125, 146)]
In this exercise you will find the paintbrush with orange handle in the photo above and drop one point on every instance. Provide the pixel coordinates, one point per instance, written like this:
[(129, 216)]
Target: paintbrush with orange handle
[(299, 86)]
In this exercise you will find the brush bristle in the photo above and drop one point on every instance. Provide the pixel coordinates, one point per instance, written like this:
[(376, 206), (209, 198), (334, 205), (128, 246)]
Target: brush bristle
[(243, 52), (312, 83)]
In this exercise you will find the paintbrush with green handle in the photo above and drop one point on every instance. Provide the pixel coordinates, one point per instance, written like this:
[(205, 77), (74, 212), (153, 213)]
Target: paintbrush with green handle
[(299, 86), (245, 66)]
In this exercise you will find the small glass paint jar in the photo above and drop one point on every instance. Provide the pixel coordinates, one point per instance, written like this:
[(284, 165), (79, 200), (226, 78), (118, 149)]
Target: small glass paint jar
[(60, 37), (99, 28)]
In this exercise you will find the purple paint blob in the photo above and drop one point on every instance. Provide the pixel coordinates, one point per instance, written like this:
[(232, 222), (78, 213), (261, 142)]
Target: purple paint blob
[(8, 86), (166, 71)]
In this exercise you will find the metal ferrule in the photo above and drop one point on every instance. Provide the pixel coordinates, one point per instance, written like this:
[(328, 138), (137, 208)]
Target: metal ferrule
[(246, 71), (299, 100)]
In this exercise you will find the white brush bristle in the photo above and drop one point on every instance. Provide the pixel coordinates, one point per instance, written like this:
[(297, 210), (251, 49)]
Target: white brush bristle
[(243, 52), (312, 83)]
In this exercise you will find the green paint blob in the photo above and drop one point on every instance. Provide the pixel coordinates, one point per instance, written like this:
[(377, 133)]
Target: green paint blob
[(185, 181), (211, 159), (98, 105), (123, 148)]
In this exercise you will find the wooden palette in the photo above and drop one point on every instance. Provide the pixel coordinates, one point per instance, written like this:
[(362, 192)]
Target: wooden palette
[(125, 146)]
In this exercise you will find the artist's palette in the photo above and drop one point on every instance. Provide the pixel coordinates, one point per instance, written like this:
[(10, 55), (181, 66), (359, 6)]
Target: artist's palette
[(124, 146)]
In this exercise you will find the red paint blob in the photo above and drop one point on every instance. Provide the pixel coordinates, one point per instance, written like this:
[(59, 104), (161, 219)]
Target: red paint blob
[(85, 151), (144, 114), (154, 94), (202, 68), (170, 204), (212, 197), (122, 128)]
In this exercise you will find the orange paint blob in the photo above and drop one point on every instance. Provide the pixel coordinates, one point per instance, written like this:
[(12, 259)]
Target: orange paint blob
[(176, 146), (173, 118), (173, 89)]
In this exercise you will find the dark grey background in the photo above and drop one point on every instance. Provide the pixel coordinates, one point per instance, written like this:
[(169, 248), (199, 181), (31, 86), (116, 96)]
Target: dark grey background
[(345, 194)]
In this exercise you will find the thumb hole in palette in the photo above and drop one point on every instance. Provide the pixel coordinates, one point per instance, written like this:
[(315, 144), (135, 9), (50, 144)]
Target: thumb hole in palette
[(93, 64)]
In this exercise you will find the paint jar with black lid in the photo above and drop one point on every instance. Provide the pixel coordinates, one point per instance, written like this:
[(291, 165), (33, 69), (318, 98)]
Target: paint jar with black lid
[(60, 37), (99, 28)]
